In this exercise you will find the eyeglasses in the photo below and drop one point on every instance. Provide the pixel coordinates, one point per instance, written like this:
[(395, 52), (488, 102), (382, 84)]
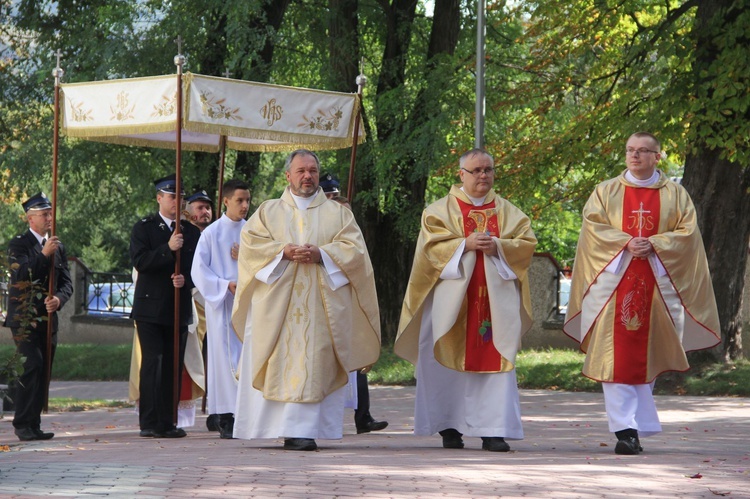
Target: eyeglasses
[(479, 171), (637, 152)]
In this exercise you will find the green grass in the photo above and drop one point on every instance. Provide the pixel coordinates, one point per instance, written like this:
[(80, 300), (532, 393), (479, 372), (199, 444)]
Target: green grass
[(86, 362), (536, 369), (66, 404), (391, 370), (553, 370)]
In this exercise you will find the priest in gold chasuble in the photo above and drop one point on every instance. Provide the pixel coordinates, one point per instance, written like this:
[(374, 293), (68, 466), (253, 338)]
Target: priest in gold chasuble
[(466, 307), (641, 294), (306, 310)]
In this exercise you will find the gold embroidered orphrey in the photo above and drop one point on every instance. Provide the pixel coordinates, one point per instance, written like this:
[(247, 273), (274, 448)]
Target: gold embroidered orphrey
[(122, 110), (80, 114), (167, 106), (217, 110), (482, 217), (328, 120), (271, 112), (640, 221)]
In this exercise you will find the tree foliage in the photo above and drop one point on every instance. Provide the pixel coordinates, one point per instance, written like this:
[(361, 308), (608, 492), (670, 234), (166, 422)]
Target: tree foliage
[(566, 82)]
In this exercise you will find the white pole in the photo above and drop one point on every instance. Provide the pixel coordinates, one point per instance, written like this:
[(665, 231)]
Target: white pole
[(479, 106)]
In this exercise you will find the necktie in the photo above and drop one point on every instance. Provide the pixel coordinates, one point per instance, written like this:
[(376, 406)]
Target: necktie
[(44, 240), (171, 226)]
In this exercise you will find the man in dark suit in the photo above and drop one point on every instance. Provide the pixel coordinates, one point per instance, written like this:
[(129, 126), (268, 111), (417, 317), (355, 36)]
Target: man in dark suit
[(29, 257), (153, 247)]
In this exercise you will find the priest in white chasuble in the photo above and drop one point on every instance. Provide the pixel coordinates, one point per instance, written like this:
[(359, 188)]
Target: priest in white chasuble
[(214, 274), (641, 294), (306, 310), (466, 307)]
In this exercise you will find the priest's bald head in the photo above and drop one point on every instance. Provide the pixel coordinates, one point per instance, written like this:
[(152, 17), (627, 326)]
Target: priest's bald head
[(642, 153), (303, 172)]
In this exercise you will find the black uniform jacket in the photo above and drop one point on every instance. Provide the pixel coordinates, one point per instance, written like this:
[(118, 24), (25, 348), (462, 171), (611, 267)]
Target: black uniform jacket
[(155, 263), (28, 264)]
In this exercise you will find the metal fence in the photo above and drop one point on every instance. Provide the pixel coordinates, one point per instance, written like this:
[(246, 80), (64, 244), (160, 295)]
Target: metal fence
[(108, 294), (563, 292), (3, 296)]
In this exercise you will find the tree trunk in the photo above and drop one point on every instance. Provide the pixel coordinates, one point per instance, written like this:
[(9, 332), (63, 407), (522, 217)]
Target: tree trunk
[(393, 263), (720, 193), (720, 190)]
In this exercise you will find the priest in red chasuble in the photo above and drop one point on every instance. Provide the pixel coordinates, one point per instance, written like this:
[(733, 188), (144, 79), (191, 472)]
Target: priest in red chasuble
[(466, 307), (641, 294)]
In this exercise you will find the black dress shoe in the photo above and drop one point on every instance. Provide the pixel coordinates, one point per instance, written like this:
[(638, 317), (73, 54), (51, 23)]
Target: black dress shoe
[(212, 422), (495, 444), (226, 426), (452, 439), (628, 446), (372, 425), (26, 434), (172, 433), (41, 435), (300, 444), (148, 433), (226, 432), (628, 443)]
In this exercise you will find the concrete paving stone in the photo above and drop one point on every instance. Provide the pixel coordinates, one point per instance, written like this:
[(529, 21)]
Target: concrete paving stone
[(567, 453)]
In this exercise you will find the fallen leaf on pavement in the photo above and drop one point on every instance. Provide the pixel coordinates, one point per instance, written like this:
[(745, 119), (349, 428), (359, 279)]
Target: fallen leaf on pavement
[(717, 493)]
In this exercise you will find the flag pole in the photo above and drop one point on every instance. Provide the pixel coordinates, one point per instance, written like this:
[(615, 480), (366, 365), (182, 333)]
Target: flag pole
[(57, 73), (361, 81), (479, 105), (179, 61)]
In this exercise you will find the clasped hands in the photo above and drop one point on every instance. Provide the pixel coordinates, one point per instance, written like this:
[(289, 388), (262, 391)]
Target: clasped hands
[(480, 241), (302, 253), (640, 247)]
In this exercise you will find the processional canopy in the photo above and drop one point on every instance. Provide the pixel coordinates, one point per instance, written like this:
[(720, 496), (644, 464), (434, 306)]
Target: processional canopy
[(252, 116)]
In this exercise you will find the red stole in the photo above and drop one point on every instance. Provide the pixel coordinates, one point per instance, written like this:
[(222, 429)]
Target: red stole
[(635, 293), (186, 386), (481, 354)]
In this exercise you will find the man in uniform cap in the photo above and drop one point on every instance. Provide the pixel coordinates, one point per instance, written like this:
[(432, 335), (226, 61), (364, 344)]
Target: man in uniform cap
[(363, 420), (330, 185), (30, 256), (200, 213), (153, 248), (200, 209)]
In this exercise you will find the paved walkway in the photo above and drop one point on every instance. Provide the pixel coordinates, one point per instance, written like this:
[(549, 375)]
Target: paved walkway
[(704, 451)]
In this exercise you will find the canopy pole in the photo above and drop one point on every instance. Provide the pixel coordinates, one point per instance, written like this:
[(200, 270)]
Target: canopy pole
[(57, 73), (361, 81), (222, 162), (179, 61)]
